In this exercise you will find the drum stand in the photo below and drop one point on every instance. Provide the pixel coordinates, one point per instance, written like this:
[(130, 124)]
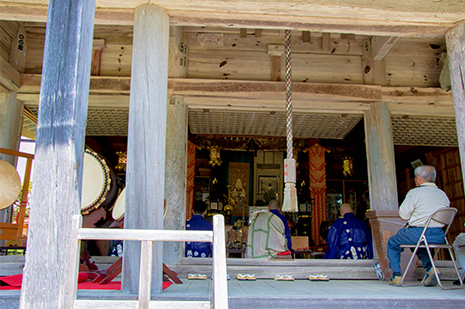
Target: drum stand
[(14, 231), (105, 276)]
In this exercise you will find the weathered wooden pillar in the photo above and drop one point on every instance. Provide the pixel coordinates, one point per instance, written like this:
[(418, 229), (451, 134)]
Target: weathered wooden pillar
[(59, 154), (11, 111), (176, 150), (455, 40), (384, 217), (380, 156), (175, 186), (145, 173)]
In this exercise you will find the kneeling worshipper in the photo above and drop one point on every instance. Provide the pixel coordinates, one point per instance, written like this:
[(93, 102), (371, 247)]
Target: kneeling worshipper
[(267, 236), (197, 222), (348, 237)]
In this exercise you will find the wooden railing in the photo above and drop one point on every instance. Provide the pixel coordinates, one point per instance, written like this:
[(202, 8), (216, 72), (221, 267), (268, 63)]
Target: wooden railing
[(146, 237)]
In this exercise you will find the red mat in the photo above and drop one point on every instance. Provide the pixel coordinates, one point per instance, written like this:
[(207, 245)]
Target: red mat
[(14, 283)]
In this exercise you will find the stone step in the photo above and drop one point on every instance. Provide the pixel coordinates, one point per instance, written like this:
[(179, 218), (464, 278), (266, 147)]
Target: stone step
[(268, 269), (262, 268)]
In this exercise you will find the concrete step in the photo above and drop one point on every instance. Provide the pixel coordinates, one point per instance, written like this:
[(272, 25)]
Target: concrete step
[(262, 268), (268, 269)]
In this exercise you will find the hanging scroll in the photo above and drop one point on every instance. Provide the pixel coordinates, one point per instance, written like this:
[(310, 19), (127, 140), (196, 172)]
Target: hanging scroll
[(191, 150), (317, 189)]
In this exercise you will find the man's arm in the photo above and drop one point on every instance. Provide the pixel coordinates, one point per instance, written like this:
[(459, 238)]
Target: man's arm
[(407, 208)]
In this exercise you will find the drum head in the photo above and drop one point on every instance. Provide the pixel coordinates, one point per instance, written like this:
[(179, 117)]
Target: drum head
[(96, 182), (118, 208), (10, 184)]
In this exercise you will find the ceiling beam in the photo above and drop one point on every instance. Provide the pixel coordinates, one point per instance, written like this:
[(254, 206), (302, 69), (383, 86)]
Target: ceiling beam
[(9, 77), (326, 19), (113, 87), (381, 46)]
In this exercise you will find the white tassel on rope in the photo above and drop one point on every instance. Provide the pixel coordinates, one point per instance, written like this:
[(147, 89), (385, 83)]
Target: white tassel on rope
[(290, 192)]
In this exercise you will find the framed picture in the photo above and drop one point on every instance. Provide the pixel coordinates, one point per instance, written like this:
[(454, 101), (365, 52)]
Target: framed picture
[(267, 183), (416, 163)]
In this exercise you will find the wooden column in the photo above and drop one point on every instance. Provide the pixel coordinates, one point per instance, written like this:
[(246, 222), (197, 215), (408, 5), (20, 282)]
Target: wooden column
[(11, 119), (11, 112), (59, 155), (380, 156), (455, 40), (145, 173), (175, 180), (176, 150)]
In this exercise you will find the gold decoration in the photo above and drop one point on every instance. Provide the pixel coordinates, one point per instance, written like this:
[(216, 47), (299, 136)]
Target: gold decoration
[(347, 166), (215, 158), (122, 160)]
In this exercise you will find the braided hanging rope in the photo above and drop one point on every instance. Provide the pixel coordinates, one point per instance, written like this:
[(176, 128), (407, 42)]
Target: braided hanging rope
[(288, 94), (290, 192)]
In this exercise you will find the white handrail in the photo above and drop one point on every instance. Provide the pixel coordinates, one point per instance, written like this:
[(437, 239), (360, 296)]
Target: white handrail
[(220, 285), (141, 234)]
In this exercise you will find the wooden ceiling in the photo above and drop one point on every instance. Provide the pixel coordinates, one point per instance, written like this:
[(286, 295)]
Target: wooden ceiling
[(233, 86)]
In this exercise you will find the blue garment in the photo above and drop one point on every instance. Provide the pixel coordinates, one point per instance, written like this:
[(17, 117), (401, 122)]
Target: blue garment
[(198, 249), (349, 238), (410, 235), (286, 227)]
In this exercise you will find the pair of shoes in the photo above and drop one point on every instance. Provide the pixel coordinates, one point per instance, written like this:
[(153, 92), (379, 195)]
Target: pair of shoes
[(395, 280), (246, 277), (457, 282), (318, 278), (284, 278), (431, 279), (196, 276)]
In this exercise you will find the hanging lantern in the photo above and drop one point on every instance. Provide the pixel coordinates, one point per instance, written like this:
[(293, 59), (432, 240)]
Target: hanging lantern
[(215, 158), (122, 159), (347, 166)]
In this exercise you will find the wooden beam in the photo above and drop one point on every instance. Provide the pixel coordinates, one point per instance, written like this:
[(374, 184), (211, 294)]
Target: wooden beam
[(243, 32), (303, 106), (30, 83), (368, 64), (114, 87), (306, 36), (59, 148), (97, 49), (327, 19), (416, 95), (431, 102), (380, 77), (18, 50), (228, 40), (326, 42), (257, 89), (9, 77), (342, 24), (275, 51), (276, 68), (381, 46)]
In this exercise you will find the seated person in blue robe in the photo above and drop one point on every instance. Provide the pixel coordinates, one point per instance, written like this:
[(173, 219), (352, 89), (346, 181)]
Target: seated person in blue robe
[(348, 237), (197, 222)]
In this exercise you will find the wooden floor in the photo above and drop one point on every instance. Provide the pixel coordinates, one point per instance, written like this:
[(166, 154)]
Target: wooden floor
[(342, 291), (266, 293)]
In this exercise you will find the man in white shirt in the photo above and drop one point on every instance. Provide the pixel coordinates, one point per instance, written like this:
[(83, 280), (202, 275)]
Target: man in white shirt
[(419, 204)]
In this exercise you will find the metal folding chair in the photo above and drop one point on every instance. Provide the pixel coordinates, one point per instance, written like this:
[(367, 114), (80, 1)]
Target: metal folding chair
[(444, 215)]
